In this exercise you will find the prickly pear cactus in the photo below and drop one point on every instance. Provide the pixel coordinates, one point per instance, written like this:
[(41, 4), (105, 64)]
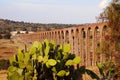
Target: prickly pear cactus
[(43, 61)]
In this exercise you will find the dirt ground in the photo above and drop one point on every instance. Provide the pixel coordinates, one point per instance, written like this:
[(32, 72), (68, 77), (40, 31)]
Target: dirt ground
[(3, 75), (7, 49)]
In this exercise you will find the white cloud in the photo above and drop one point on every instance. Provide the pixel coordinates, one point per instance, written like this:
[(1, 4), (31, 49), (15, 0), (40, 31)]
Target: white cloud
[(103, 4)]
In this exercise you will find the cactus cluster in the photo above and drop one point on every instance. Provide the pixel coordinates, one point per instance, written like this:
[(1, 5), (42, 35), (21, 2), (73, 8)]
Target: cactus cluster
[(44, 61)]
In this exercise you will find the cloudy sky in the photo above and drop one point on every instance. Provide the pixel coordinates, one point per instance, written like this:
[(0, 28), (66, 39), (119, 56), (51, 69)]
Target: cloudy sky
[(52, 11)]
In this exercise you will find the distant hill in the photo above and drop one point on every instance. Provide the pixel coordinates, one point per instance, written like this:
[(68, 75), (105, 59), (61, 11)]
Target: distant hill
[(9, 25)]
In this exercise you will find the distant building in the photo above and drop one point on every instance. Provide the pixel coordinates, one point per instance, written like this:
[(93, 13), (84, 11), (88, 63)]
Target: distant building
[(13, 33)]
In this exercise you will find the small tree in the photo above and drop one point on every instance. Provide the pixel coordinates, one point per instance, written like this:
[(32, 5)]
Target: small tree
[(106, 71), (111, 43), (18, 32), (7, 36)]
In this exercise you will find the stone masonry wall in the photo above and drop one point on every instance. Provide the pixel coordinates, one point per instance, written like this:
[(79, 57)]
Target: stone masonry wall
[(85, 40)]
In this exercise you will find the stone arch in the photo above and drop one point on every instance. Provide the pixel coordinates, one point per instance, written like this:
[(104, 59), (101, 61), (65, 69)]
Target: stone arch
[(104, 30), (62, 37), (48, 35), (83, 33), (72, 42), (37, 37), (55, 37), (90, 46), (41, 35), (77, 42), (59, 38), (72, 33), (52, 36), (97, 44), (83, 45), (45, 35), (67, 36)]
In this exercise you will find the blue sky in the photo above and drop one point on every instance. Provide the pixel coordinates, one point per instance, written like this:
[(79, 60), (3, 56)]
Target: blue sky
[(52, 11)]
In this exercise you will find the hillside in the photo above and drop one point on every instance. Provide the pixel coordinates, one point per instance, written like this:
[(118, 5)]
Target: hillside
[(15, 25)]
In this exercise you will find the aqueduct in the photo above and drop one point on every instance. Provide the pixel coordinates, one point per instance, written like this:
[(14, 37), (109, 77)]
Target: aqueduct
[(85, 40)]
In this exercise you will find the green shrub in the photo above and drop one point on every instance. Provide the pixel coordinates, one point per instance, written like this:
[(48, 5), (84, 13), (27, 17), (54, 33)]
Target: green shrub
[(1, 36), (45, 61), (4, 64), (7, 36), (106, 71)]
